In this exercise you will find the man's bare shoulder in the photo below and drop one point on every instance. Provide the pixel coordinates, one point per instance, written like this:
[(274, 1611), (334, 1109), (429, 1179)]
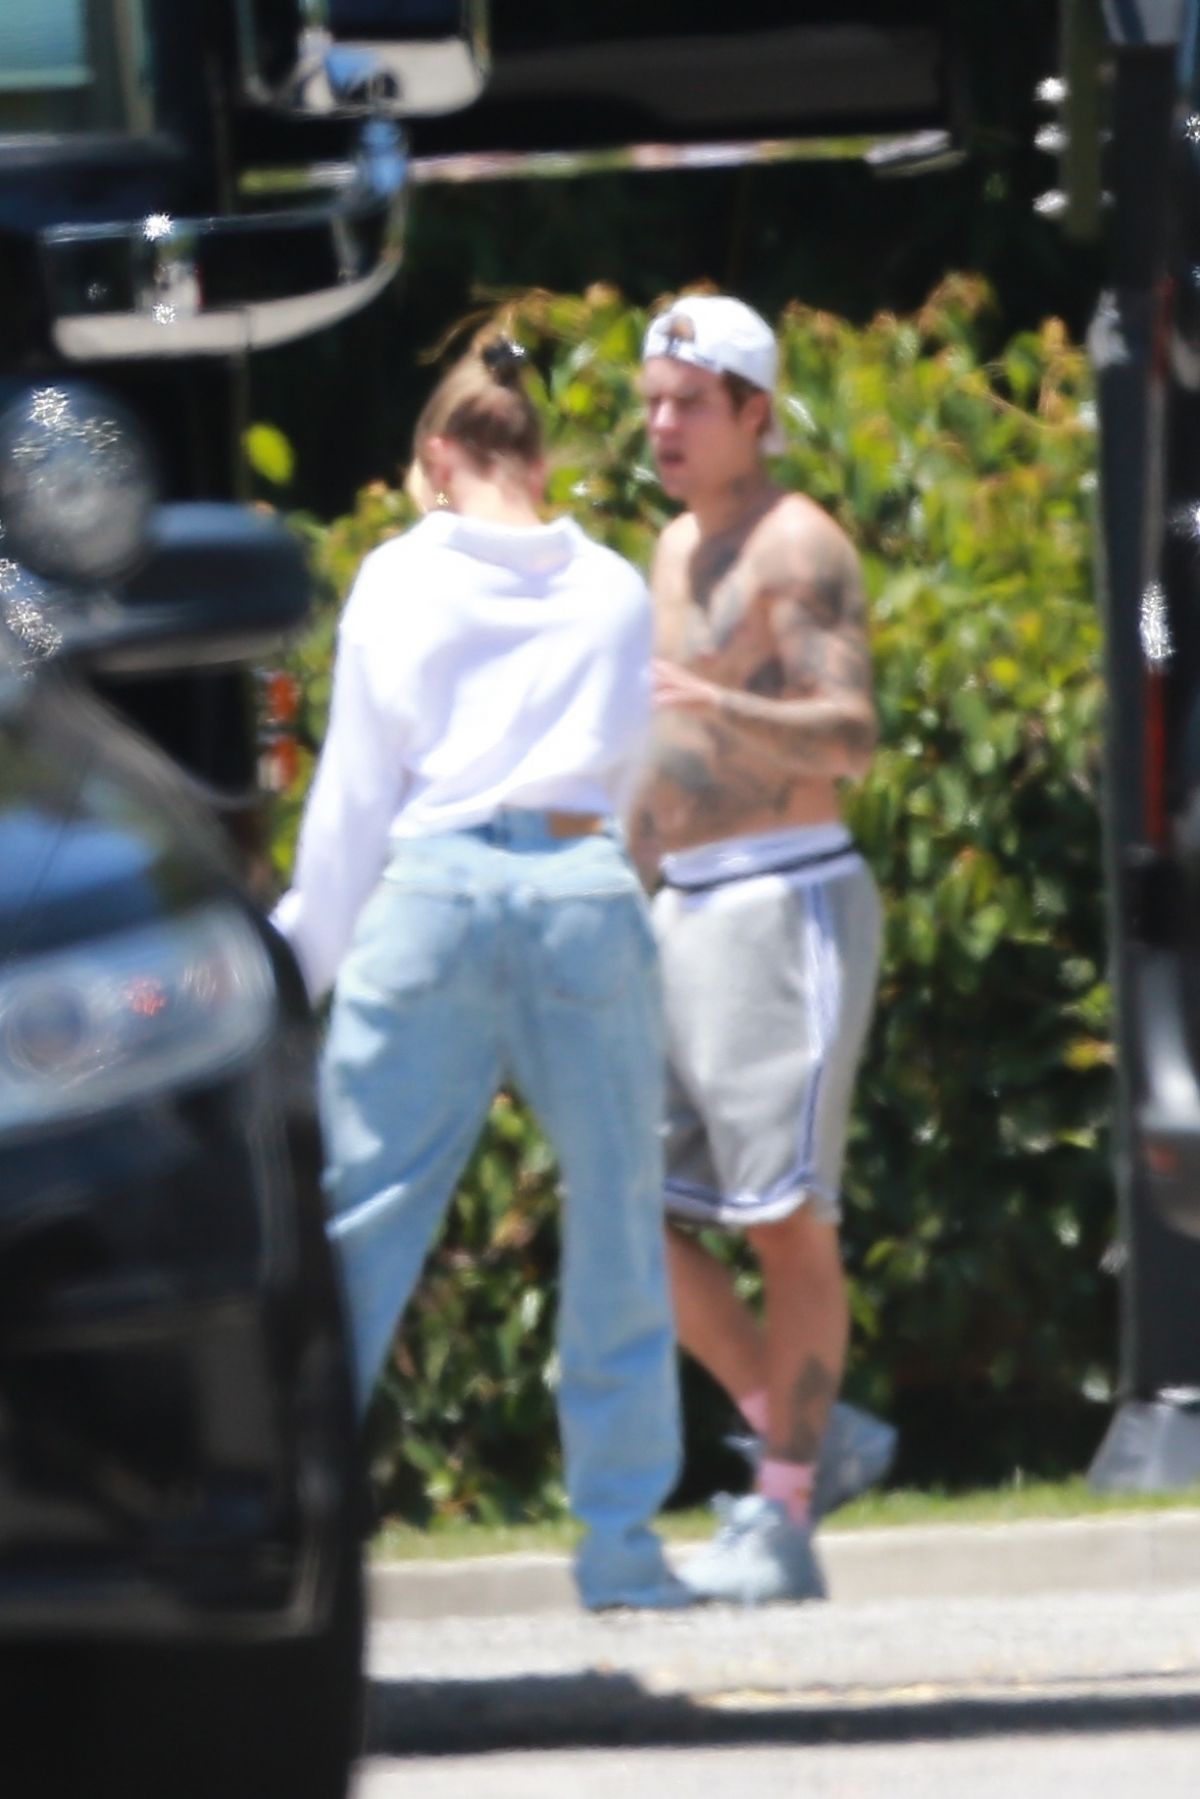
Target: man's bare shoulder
[(797, 526), (808, 567)]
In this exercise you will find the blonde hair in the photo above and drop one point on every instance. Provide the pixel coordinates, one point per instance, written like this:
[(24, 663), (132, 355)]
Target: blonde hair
[(481, 404)]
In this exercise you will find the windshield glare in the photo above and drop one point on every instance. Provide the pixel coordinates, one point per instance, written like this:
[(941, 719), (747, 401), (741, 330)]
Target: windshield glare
[(10, 664), (73, 65)]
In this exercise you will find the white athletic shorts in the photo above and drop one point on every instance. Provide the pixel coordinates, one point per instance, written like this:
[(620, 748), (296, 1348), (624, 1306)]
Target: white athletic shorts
[(770, 955)]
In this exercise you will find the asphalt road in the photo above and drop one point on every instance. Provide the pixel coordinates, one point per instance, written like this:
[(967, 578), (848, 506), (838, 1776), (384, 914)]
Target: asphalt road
[(1045, 1697), (1109, 1765)]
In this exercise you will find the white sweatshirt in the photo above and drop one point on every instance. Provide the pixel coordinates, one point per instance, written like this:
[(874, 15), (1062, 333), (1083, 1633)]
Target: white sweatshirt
[(479, 666)]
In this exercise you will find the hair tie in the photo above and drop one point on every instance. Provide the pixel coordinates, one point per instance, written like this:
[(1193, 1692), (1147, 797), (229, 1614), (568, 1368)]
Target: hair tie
[(504, 361)]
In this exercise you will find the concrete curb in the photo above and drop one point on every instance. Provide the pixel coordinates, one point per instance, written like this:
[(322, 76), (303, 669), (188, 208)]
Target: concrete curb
[(1133, 1552)]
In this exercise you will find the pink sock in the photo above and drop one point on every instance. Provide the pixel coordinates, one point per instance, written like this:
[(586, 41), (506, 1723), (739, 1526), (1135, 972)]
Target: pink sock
[(790, 1483), (754, 1410)]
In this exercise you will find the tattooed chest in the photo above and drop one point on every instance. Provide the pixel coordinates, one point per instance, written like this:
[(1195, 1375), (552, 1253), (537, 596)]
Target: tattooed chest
[(724, 612), (732, 643), (699, 619)]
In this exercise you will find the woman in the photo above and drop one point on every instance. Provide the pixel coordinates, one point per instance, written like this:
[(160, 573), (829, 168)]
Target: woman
[(460, 874)]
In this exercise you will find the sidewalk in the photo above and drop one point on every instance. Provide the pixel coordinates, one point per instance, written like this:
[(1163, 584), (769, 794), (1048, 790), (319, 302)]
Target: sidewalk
[(1136, 1552)]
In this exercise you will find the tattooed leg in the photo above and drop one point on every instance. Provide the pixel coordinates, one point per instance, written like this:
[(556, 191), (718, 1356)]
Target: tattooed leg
[(807, 1325), (797, 1353)]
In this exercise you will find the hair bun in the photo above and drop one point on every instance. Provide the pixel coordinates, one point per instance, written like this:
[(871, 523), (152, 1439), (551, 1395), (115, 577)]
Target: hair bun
[(504, 361)]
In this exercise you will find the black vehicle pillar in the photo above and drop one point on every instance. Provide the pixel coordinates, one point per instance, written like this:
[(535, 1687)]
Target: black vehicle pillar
[(1153, 1441)]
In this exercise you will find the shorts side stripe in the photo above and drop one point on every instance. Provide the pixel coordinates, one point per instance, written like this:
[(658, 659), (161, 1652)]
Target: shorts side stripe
[(693, 1190), (823, 979)]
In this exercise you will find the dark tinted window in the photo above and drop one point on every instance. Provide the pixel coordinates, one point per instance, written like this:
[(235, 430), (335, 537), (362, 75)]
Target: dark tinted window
[(72, 65), (530, 24), (606, 73)]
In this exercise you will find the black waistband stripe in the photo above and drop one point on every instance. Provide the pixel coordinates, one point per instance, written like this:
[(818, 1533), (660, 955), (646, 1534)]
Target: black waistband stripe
[(840, 854)]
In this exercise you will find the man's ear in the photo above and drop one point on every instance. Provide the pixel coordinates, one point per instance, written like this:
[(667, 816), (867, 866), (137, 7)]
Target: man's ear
[(759, 406)]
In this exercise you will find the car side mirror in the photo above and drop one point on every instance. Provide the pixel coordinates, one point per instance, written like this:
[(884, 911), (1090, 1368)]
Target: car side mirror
[(435, 51), (218, 585), (397, 58)]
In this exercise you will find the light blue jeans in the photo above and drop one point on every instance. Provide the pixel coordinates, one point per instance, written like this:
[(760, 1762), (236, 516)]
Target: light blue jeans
[(484, 956)]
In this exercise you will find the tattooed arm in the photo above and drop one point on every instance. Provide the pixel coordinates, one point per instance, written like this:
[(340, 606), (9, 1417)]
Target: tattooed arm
[(807, 704)]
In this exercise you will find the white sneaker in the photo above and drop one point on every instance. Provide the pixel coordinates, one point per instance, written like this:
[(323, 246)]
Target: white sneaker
[(759, 1555)]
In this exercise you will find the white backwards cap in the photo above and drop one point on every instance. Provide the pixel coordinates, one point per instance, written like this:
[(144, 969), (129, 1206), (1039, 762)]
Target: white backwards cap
[(725, 336)]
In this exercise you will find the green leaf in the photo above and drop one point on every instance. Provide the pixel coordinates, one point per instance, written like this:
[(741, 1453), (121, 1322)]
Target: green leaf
[(269, 454)]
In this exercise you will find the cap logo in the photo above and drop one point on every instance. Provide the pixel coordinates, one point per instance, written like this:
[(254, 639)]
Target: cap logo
[(679, 330)]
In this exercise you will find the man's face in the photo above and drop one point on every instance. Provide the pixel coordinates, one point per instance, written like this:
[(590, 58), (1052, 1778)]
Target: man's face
[(699, 441)]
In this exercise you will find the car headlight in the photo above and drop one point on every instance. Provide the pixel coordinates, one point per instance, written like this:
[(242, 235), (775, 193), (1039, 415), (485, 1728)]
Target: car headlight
[(121, 1018), (77, 484), (34, 613)]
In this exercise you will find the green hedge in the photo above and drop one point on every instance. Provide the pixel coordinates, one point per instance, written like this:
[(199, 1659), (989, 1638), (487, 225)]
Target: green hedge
[(978, 1198)]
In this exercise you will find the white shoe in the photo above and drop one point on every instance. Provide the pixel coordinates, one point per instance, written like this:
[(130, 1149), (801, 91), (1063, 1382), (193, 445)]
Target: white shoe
[(759, 1555)]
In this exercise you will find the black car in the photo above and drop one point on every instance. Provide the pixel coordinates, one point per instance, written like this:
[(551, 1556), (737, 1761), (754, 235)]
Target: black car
[(179, 1517), (181, 183)]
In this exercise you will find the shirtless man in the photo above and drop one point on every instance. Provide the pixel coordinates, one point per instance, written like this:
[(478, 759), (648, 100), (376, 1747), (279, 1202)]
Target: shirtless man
[(767, 917)]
